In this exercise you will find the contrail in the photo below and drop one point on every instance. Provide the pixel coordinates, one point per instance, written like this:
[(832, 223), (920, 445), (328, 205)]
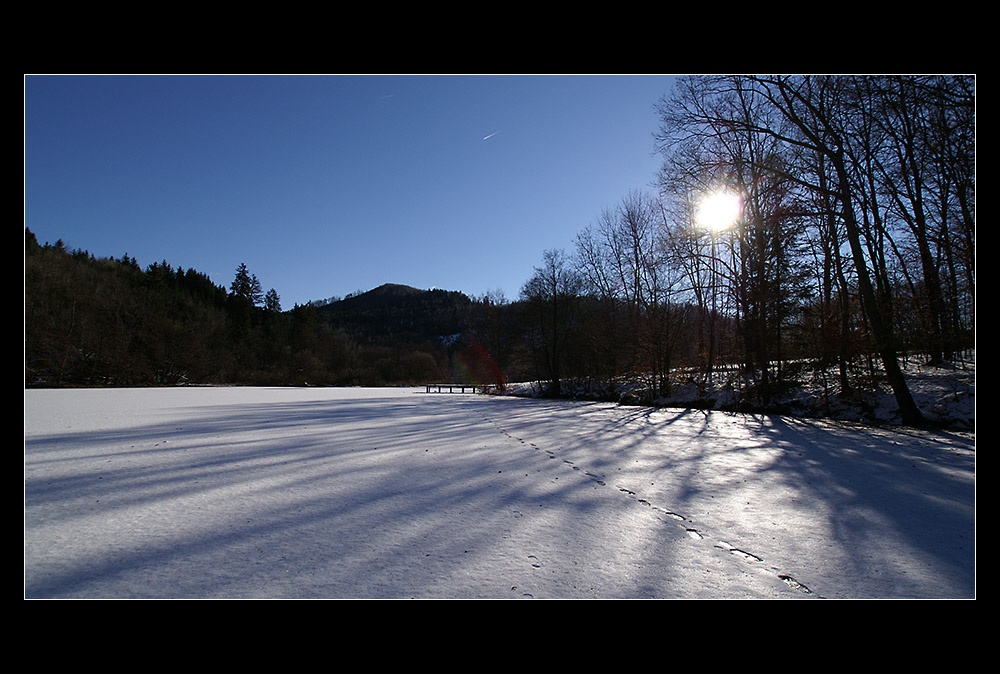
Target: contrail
[(491, 135)]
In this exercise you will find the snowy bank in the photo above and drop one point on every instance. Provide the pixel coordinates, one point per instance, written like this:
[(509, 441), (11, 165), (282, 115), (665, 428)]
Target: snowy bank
[(946, 395)]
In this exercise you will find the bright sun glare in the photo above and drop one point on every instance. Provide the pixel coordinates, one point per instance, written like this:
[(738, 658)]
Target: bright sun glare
[(719, 211)]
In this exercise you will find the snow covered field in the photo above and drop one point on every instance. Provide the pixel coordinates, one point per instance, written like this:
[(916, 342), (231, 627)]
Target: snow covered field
[(396, 493)]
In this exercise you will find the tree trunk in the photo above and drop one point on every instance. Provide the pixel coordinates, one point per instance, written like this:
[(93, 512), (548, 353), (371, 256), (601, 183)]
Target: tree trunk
[(881, 329)]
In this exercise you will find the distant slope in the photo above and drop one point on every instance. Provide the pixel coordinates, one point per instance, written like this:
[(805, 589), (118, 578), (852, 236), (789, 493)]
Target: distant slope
[(395, 313)]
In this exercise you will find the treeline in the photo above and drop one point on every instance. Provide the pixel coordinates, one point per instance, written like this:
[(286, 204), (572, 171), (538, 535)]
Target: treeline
[(91, 321), (852, 247), (107, 322)]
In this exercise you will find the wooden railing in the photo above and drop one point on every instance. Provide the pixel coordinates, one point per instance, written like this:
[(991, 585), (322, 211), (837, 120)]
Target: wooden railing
[(461, 388)]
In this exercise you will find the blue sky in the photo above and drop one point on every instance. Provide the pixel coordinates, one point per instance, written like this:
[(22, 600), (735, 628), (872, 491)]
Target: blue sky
[(325, 185)]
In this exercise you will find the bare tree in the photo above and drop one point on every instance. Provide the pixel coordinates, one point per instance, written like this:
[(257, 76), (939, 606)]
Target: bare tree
[(623, 260), (552, 296), (711, 141), (822, 112)]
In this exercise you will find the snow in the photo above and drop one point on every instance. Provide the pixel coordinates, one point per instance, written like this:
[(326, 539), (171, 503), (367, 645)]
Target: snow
[(944, 394), (397, 493)]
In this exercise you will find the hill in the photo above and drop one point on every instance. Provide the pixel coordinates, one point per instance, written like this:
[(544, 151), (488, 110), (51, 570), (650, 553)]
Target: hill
[(394, 313)]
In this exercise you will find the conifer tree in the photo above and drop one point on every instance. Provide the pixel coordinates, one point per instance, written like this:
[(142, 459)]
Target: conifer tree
[(242, 285), (272, 302), (256, 291)]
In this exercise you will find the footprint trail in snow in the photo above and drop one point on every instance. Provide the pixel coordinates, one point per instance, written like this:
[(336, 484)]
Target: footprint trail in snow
[(664, 514)]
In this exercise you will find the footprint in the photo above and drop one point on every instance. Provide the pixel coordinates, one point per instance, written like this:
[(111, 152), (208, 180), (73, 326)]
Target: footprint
[(668, 513), (791, 582), (739, 553)]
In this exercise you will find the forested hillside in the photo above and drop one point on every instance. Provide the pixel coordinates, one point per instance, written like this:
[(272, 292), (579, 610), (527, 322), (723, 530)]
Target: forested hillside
[(107, 322)]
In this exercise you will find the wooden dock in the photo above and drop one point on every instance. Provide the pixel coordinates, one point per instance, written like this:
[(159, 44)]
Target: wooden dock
[(460, 388)]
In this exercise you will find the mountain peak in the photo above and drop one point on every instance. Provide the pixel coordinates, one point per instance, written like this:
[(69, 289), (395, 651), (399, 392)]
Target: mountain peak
[(401, 311), (394, 289)]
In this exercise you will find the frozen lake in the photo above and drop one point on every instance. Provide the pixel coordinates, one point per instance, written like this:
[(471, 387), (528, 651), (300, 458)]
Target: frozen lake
[(396, 493)]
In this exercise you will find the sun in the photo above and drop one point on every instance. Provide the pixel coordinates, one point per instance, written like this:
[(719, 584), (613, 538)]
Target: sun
[(719, 211)]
